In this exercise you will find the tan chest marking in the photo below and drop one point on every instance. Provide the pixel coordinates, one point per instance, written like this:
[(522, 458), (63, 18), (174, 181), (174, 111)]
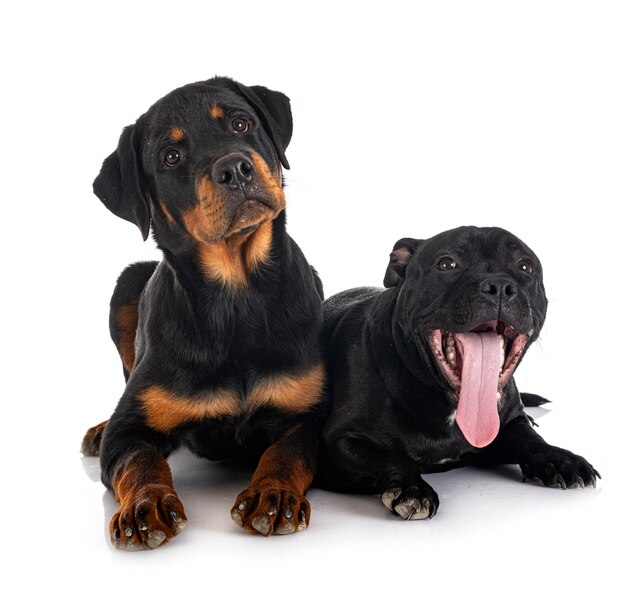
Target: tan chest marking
[(290, 393), (164, 411)]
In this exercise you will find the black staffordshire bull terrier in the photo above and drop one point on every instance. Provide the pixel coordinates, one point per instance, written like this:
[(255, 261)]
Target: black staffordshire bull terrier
[(421, 374)]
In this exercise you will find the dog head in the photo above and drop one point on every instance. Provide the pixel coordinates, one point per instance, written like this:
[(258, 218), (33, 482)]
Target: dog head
[(473, 300), (203, 163)]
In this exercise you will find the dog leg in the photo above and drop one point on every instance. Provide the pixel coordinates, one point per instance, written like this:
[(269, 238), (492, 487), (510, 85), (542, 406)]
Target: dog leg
[(150, 512), (404, 491), (274, 502), (518, 443)]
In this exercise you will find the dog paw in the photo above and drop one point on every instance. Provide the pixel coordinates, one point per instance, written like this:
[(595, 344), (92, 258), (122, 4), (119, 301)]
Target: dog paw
[(559, 468), (92, 439), (271, 509), (412, 503), (153, 515)]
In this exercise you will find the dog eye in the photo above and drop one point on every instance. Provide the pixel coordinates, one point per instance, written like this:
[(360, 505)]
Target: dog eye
[(240, 125), (172, 157), (446, 263), (525, 265)]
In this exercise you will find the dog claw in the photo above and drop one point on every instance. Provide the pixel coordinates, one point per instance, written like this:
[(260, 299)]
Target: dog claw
[(154, 538), (272, 511), (242, 506), (288, 513), (287, 528), (261, 524), (412, 509), (389, 497), (302, 525), (143, 526), (128, 532), (237, 518)]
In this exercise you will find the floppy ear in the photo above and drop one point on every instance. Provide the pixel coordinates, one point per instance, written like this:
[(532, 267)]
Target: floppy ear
[(399, 258), (119, 184), (274, 110)]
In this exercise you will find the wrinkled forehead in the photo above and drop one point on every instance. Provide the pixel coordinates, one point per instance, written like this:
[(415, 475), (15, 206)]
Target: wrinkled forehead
[(473, 244)]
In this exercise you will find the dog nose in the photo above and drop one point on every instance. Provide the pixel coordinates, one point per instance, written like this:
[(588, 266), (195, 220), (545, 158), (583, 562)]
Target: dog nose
[(234, 170), (501, 288)]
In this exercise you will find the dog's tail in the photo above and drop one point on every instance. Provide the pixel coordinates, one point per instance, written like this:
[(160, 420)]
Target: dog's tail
[(531, 400)]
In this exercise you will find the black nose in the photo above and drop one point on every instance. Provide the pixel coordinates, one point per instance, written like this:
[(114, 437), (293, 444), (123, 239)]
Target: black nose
[(501, 288), (233, 170)]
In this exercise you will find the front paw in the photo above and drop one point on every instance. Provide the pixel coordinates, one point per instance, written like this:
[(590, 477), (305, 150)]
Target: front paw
[(147, 518), (415, 502), (556, 467), (271, 508)]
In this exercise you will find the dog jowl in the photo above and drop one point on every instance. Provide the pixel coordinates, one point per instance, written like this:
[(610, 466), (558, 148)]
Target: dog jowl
[(440, 346), (219, 341)]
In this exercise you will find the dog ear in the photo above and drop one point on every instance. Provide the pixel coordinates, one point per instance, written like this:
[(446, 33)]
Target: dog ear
[(119, 184), (274, 110), (399, 258)]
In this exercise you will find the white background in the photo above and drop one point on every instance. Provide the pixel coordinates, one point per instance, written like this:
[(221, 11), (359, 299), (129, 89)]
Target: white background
[(410, 118)]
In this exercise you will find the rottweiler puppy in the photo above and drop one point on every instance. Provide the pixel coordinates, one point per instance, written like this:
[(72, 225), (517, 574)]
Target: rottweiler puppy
[(220, 340), (420, 375)]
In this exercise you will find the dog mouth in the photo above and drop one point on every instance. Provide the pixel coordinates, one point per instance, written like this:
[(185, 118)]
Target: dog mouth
[(248, 216), (478, 365)]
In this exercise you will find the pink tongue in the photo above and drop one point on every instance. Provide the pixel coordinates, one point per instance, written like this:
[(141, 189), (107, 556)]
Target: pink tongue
[(477, 413)]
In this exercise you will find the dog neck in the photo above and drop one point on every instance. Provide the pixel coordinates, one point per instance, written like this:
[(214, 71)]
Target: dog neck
[(234, 264)]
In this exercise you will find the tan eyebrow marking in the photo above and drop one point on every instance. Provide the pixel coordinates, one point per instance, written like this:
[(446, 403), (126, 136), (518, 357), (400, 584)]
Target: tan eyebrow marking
[(176, 134), (216, 111)]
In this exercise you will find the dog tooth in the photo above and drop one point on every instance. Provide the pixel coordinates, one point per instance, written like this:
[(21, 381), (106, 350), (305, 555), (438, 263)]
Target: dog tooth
[(451, 357)]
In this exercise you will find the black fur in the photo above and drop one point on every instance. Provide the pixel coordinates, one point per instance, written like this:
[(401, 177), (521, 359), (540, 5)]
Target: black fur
[(197, 334), (393, 408)]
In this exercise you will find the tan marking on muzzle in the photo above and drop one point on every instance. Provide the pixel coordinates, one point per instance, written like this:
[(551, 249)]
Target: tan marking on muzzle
[(271, 180), (225, 255), (206, 220)]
